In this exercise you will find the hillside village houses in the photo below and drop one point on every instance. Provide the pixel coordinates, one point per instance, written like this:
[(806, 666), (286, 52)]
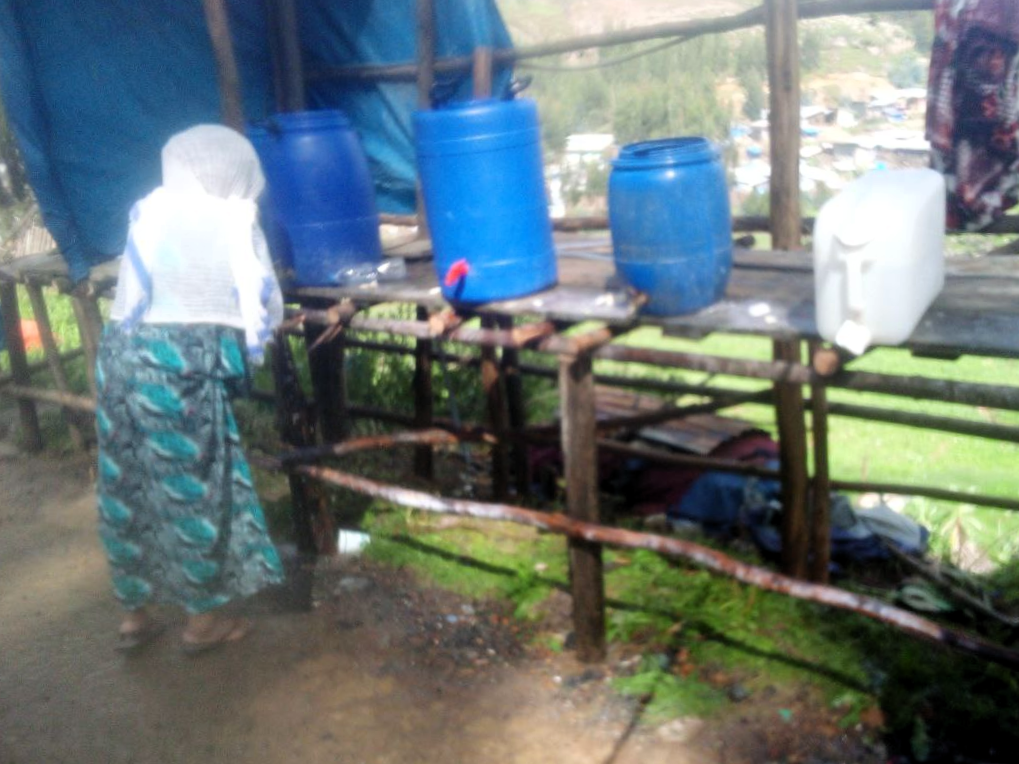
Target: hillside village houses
[(838, 144)]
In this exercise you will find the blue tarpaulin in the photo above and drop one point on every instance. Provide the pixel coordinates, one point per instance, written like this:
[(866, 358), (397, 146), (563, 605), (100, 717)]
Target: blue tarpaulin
[(93, 88)]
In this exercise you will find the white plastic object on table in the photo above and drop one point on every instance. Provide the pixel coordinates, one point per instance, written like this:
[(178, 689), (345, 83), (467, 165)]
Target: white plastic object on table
[(879, 257)]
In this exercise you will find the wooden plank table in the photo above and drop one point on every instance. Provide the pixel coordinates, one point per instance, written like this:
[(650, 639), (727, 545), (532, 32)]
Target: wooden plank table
[(769, 294)]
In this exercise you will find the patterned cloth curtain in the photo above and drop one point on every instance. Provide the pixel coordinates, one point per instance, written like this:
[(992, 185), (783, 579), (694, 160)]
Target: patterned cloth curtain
[(973, 108)]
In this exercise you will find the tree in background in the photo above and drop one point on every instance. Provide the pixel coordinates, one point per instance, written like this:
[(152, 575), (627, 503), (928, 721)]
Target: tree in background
[(907, 71), (670, 92), (753, 87), (811, 48)]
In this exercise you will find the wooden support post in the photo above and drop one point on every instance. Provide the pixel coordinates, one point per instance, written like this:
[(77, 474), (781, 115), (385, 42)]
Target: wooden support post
[(10, 317), (482, 72), (424, 462), (821, 516), (52, 353), (580, 454), (784, 86), (292, 74), (425, 82), (329, 381), (513, 383), (90, 328), (784, 122), (792, 440), (218, 22), (491, 380), (314, 530)]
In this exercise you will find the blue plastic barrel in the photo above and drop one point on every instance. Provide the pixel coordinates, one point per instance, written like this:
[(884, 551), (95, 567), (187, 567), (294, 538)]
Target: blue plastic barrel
[(484, 191), (319, 207), (670, 221)]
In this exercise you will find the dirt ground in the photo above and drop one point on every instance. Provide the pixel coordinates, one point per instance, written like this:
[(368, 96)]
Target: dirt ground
[(380, 670)]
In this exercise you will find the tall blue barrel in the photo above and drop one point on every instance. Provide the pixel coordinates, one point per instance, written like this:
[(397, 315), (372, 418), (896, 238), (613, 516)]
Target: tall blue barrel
[(670, 222), (319, 208), (484, 191)]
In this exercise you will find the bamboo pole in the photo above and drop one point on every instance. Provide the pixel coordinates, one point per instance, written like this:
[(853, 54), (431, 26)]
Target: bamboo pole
[(218, 22)]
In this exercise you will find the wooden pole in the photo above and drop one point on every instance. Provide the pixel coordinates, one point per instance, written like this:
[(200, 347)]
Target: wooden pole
[(37, 366), (580, 454), (329, 381), (491, 370), (784, 127), (821, 505), (81, 403), (90, 327), (686, 30), (425, 72), (513, 384), (491, 381), (537, 335), (52, 353), (482, 72), (10, 318), (593, 533), (290, 56), (424, 462), (218, 22), (313, 524)]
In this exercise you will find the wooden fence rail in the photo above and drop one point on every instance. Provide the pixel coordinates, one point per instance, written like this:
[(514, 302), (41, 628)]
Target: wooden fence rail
[(587, 532)]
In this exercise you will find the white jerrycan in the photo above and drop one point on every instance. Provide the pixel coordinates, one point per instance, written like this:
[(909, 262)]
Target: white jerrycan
[(879, 257)]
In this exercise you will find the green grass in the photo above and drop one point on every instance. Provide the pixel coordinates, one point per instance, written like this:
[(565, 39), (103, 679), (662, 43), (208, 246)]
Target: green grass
[(664, 609), (690, 626)]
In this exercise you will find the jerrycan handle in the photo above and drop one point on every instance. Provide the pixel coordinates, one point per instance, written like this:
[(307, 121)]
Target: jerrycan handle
[(855, 263)]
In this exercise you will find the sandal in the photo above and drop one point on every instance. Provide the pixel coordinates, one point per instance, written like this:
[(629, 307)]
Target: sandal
[(224, 632), (133, 641)]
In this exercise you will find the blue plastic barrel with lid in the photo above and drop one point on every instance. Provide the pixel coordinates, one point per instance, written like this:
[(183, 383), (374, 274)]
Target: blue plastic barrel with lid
[(484, 191), (319, 206), (670, 222)]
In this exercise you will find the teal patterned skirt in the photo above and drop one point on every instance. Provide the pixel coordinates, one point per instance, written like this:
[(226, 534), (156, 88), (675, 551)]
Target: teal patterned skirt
[(178, 514)]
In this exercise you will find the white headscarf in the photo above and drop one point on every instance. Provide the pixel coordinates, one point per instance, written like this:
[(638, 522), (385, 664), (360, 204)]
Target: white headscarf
[(195, 252)]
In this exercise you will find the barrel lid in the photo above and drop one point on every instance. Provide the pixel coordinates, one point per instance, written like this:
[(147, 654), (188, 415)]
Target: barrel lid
[(666, 152), (470, 119), (301, 121)]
